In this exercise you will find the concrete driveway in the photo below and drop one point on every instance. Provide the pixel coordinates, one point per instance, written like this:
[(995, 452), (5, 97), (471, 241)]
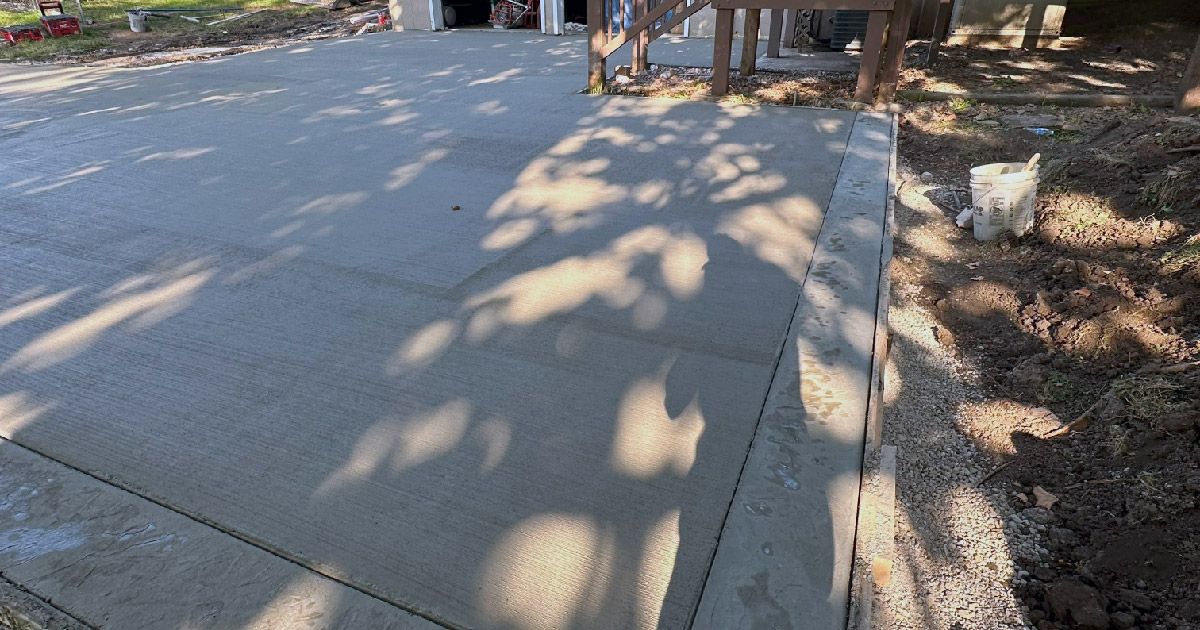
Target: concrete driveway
[(401, 331)]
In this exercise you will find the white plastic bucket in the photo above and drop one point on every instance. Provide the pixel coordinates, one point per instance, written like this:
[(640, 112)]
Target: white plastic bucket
[(1004, 196), (137, 21)]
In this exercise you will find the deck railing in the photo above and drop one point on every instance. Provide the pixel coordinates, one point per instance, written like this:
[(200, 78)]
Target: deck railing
[(614, 23)]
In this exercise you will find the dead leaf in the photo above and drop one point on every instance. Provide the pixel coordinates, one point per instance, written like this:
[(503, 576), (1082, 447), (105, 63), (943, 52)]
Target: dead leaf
[(1044, 499), (1077, 424), (977, 278), (973, 265)]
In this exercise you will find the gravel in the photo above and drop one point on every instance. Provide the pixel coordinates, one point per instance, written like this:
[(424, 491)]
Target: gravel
[(957, 544)]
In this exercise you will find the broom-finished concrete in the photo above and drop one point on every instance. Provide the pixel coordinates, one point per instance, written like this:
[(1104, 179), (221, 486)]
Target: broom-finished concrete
[(464, 346)]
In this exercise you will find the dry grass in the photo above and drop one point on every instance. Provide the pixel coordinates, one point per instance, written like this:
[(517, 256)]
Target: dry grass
[(1149, 397), (1187, 255), (774, 88)]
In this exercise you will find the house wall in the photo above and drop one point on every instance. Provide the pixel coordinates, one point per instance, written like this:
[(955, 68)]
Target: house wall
[(1007, 23), (416, 14), (704, 23)]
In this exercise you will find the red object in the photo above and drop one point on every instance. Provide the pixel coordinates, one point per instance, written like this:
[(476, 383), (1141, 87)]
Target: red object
[(61, 25), (22, 33), (384, 18)]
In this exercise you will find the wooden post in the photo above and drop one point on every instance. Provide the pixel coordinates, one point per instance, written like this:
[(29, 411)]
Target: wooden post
[(750, 42), (641, 40), (868, 68), (775, 32), (893, 58), (1187, 99), (941, 26), (596, 37), (722, 50), (789, 28)]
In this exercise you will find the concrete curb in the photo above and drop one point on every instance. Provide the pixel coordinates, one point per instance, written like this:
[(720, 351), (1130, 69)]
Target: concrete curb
[(784, 558), (863, 579)]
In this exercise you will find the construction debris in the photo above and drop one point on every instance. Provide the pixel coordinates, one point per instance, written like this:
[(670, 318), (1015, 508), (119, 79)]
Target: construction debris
[(328, 4), (236, 17)]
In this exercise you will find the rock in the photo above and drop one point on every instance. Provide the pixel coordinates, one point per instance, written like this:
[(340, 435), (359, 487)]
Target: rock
[(1048, 121), (1123, 620), (1042, 301), (622, 79), (944, 336), (1073, 601), (988, 123), (927, 177)]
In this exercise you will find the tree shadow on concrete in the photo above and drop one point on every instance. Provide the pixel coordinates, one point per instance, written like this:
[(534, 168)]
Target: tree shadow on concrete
[(394, 327)]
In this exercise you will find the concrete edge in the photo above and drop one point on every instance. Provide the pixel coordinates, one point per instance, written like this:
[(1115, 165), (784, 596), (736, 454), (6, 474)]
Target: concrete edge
[(862, 589), (784, 559)]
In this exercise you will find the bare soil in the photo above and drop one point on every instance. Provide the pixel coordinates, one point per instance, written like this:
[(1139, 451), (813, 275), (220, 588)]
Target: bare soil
[(1091, 316), (1125, 65)]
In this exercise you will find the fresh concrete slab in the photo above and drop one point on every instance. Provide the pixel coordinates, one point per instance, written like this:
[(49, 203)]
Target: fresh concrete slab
[(787, 547), (119, 561), (410, 312)]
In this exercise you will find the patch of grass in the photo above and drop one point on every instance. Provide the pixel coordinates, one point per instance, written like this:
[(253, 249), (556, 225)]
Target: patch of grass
[(1118, 440), (740, 99), (959, 105), (1111, 159), (54, 46), (1057, 388), (104, 11), (1149, 397), (109, 17), (1183, 257), (1165, 190), (1004, 83), (1086, 221)]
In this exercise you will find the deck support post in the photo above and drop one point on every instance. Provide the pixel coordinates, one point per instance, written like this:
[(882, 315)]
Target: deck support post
[(722, 50), (748, 65), (596, 62)]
